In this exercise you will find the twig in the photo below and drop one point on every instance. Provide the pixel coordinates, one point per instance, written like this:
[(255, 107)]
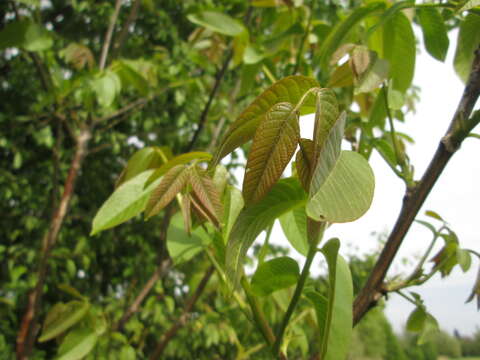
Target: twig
[(203, 116), (135, 105), (135, 306), (181, 321), (29, 326), (108, 35), (120, 39), (460, 126)]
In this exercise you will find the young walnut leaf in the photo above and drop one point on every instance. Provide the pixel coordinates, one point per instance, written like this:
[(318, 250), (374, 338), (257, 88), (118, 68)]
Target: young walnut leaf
[(172, 183), (206, 195), (290, 89), (273, 146), (325, 117), (304, 162)]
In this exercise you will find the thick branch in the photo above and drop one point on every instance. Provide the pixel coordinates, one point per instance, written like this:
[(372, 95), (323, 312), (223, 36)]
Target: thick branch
[(108, 35), (29, 326), (181, 321), (460, 126)]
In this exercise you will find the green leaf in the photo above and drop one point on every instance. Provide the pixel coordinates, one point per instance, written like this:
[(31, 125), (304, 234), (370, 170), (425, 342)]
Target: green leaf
[(371, 79), (347, 191), (341, 77), (233, 204), (27, 35), (464, 259), (142, 160), (434, 215), (61, 317), (290, 89), (179, 160), (416, 320), (127, 201), (336, 37), (171, 184), (329, 155), (181, 245), (273, 146), (467, 41), (284, 196), (218, 22), (399, 50), (428, 226), (337, 328), (294, 226), (434, 32), (77, 344), (475, 291), (320, 304), (430, 327), (106, 86), (275, 274)]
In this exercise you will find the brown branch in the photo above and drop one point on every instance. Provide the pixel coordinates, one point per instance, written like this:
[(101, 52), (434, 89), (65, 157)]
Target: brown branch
[(460, 126), (135, 105), (120, 39), (29, 326), (182, 320), (108, 35)]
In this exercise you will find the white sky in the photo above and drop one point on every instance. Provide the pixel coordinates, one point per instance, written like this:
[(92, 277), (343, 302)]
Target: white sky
[(454, 197)]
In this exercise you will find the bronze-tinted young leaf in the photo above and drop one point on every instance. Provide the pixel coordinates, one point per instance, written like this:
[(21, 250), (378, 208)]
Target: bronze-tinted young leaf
[(187, 213), (206, 193), (304, 162), (290, 89), (325, 117), (273, 146), (172, 183)]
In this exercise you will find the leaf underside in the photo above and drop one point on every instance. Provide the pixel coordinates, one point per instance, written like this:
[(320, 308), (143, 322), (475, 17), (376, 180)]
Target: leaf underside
[(304, 162), (206, 194)]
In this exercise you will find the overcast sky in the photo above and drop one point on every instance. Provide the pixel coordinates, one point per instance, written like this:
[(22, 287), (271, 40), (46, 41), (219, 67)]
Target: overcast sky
[(455, 198)]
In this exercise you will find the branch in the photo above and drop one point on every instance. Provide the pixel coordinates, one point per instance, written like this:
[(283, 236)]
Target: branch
[(137, 104), (120, 39), (29, 325), (460, 126), (108, 35), (161, 346)]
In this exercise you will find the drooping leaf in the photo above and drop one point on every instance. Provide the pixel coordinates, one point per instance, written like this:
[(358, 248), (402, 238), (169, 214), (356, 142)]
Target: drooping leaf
[(337, 328), (399, 50), (220, 179), (233, 204), (326, 116), (181, 245), (329, 154), (434, 215), (275, 274), (284, 196), (127, 201), (187, 213), (446, 259), (78, 55), (475, 291), (373, 76), (77, 344), (61, 317), (130, 77), (336, 37), (320, 304), (434, 32), (178, 160), (205, 191), (304, 162), (416, 320), (273, 146), (106, 86), (218, 22), (429, 328), (290, 89), (346, 193), (170, 185), (467, 41), (144, 159), (294, 226), (464, 259)]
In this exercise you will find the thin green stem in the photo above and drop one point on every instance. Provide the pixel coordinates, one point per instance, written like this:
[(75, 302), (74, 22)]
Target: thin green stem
[(264, 250), (392, 127), (296, 297), (409, 299)]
